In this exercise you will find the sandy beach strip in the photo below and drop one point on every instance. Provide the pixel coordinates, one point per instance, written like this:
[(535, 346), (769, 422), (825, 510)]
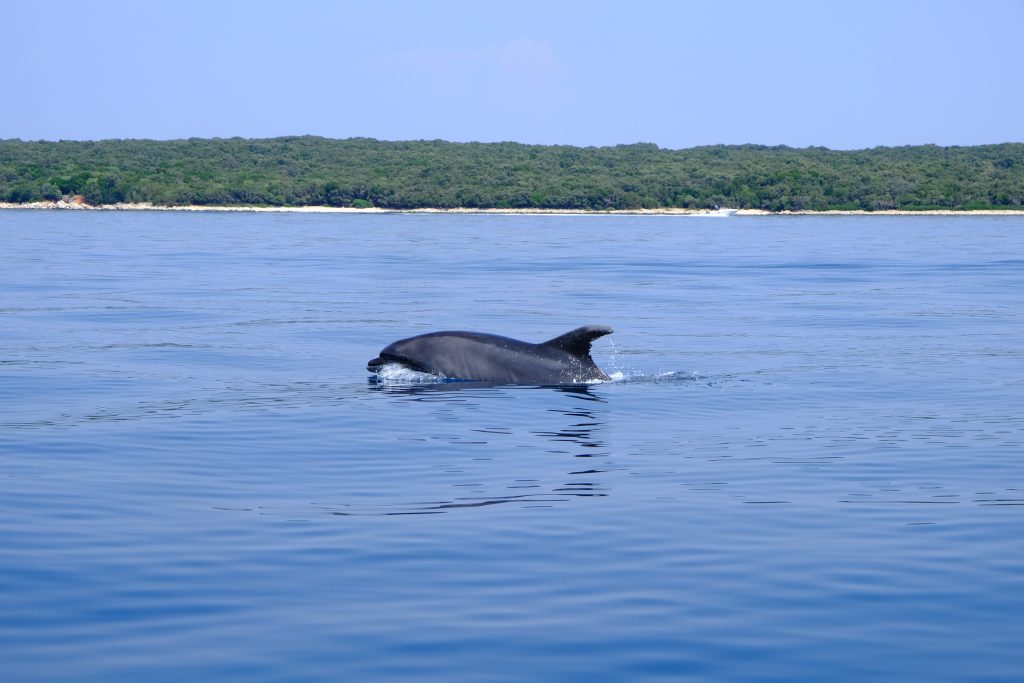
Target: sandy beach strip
[(70, 206)]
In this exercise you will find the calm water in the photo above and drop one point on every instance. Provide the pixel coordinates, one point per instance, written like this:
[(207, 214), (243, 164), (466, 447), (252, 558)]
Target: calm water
[(810, 466)]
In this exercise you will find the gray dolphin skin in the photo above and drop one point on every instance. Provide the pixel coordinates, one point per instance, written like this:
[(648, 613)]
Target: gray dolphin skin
[(490, 358)]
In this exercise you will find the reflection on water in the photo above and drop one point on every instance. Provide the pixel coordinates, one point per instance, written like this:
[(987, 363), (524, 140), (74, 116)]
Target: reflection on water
[(577, 433)]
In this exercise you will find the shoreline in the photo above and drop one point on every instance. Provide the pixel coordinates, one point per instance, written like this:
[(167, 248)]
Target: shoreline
[(71, 206)]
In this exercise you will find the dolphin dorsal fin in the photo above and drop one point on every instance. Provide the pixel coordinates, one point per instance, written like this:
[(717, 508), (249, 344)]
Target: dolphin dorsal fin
[(577, 342)]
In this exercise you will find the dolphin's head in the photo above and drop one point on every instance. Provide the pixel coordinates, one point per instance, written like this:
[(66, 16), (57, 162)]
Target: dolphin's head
[(401, 352), (386, 358)]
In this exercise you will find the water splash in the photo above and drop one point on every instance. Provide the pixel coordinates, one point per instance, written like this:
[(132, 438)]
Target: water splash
[(395, 373), (643, 377)]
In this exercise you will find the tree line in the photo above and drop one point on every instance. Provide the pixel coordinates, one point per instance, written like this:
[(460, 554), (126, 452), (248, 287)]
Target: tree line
[(362, 172)]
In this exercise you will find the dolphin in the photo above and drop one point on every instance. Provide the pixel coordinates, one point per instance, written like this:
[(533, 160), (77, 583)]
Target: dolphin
[(482, 357)]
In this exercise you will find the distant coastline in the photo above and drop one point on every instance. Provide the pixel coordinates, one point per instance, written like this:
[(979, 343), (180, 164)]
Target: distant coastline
[(142, 206), (361, 173)]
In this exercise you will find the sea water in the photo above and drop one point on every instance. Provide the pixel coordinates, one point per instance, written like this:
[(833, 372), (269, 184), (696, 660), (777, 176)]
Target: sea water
[(809, 464)]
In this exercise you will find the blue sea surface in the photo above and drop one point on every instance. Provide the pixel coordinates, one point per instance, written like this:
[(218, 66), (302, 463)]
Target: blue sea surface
[(809, 464)]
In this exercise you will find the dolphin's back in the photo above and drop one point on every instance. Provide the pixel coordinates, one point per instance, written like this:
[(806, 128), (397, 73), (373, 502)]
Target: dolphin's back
[(493, 358)]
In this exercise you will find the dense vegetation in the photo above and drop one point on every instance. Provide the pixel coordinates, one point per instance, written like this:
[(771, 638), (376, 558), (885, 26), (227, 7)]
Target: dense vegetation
[(361, 172)]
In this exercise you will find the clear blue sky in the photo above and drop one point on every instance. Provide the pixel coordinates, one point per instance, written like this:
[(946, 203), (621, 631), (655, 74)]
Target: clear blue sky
[(838, 74)]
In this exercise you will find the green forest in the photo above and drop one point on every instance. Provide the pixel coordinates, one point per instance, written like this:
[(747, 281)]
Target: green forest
[(362, 172)]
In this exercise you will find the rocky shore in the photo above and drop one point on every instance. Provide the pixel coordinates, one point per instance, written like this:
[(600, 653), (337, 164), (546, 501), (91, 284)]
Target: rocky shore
[(80, 206)]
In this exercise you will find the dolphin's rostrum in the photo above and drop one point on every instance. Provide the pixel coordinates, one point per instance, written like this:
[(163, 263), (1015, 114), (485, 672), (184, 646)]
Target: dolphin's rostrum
[(491, 358)]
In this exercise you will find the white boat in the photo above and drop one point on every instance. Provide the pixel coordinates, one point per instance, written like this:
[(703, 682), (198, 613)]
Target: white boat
[(718, 212)]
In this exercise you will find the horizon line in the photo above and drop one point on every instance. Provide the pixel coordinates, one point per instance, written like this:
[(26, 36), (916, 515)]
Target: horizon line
[(499, 142)]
